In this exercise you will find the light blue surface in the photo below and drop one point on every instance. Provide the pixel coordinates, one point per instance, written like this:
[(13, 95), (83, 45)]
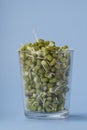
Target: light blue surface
[(65, 22)]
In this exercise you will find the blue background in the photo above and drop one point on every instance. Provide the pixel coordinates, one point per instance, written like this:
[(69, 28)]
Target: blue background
[(65, 22)]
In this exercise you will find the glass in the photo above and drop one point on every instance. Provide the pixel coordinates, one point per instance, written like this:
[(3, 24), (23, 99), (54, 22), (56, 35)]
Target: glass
[(46, 85)]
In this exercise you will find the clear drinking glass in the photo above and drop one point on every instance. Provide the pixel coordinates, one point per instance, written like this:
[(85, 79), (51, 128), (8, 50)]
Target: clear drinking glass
[(46, 85)]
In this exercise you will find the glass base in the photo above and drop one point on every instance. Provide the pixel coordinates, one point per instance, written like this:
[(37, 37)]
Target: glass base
[(56, 115)]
